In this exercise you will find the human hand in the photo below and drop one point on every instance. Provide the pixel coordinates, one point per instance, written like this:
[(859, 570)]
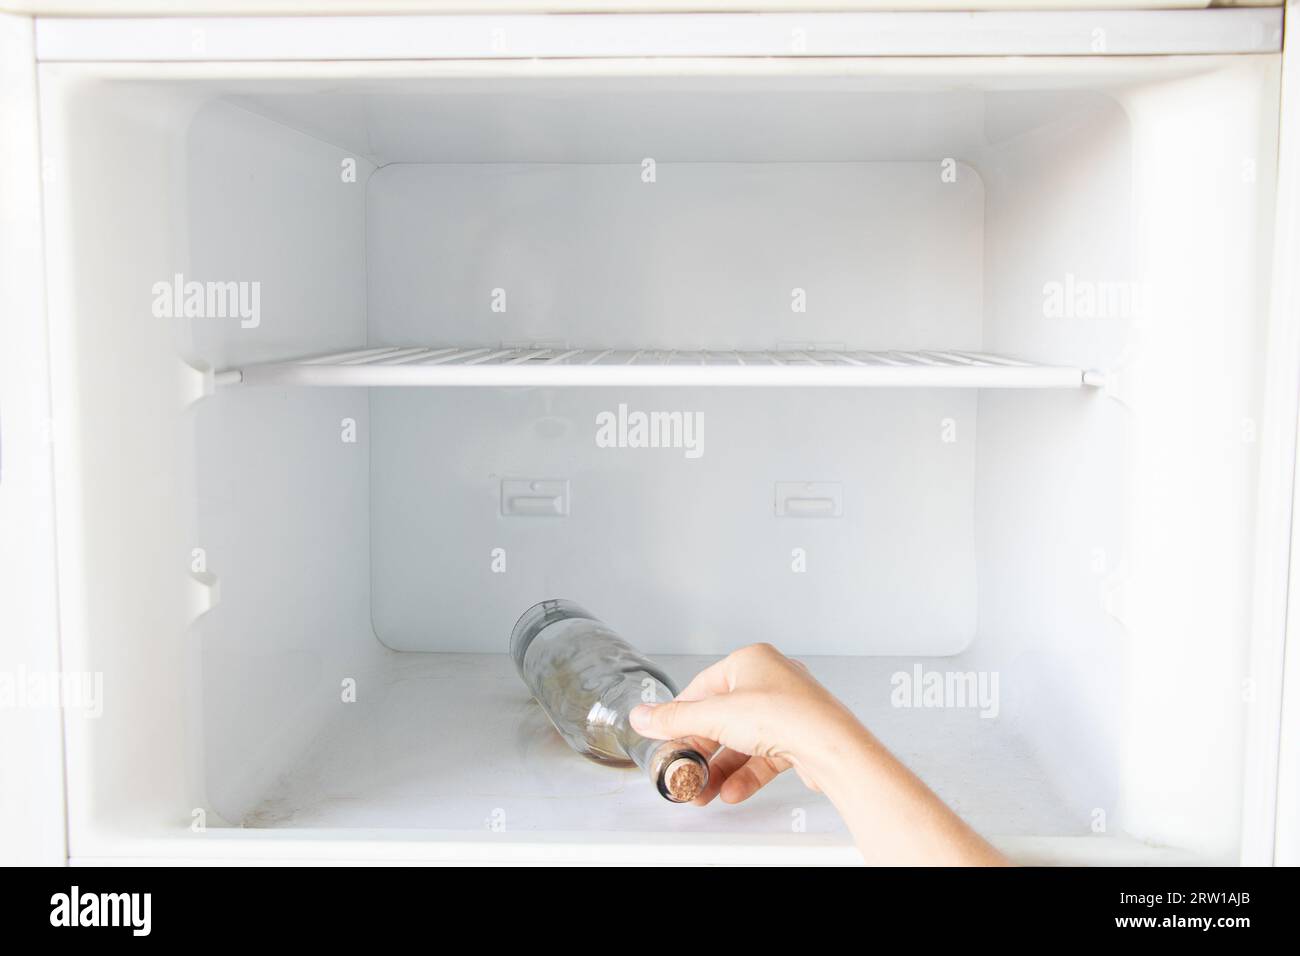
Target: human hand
[(766, 710), (769, 714)]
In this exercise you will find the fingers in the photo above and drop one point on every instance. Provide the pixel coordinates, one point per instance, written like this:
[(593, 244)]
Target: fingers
[(808, 781), (746, 781), (721, 677), (714, 679), (678, 718), (703, 745), (721, 767)]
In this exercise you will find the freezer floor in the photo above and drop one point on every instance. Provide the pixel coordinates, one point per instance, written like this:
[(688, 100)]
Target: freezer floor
[(453, 742)]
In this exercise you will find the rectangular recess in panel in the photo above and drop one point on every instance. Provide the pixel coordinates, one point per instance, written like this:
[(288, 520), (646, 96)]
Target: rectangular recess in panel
[(809, 499), (534, 498)]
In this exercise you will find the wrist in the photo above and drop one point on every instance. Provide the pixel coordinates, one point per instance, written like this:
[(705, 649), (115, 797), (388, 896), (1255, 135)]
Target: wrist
[(836, 753)]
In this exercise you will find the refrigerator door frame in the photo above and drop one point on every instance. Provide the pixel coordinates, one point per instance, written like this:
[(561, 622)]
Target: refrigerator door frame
[(191, 8), (1125, 32), (1271, 823), (33, 824)]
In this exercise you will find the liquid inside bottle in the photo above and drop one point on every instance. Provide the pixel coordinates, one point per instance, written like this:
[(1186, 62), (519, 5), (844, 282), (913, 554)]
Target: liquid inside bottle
[(587, 679)]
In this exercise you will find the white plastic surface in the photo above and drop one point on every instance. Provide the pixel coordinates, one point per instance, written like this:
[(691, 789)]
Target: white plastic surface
[(682, 555), (806, 33), (1271, 830), (32, 815), (175, 8)]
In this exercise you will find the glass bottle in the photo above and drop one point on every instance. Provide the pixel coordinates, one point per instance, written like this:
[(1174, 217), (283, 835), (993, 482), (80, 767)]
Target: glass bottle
[(587, 679)]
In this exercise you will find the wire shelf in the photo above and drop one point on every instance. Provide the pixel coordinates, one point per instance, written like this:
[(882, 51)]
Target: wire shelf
[(514, 366)]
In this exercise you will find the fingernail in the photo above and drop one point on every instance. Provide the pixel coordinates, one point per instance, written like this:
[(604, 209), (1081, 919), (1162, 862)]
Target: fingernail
[(640, 717)]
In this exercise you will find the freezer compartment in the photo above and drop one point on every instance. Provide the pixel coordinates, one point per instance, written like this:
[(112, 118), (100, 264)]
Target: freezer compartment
[(957, 368)]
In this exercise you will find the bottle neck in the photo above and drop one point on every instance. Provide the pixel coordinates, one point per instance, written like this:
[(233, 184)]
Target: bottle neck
[(640, 750), (678, 770)]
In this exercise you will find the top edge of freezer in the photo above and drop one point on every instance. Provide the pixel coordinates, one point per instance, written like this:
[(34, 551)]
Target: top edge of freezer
[(343, 7), (515, 36)]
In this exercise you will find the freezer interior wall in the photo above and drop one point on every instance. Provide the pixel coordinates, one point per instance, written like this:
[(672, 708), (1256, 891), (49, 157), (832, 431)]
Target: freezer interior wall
[(235, 565)]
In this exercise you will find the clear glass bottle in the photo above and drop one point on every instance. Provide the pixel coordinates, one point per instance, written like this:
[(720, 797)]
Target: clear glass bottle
[(587, 679)]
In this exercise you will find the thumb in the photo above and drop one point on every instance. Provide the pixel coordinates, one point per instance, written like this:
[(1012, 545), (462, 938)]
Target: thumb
[(677, 718)]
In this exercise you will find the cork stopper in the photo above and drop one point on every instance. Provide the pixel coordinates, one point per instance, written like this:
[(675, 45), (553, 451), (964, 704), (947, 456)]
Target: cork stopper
[(684, 780), (679, 771)]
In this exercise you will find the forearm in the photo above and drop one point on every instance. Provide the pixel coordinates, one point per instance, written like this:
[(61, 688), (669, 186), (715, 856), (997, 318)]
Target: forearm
[(893, 816)]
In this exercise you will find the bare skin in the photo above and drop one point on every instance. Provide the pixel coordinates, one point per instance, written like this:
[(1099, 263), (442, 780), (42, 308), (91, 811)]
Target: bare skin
[(771, 715)]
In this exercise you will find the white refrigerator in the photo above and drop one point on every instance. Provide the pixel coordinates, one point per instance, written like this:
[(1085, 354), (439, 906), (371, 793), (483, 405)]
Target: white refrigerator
[(956, 354)]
